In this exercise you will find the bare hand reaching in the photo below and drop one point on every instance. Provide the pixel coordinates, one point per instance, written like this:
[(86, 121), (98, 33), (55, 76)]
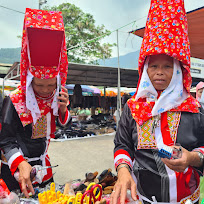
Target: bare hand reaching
[(24, 178), (124, 182)]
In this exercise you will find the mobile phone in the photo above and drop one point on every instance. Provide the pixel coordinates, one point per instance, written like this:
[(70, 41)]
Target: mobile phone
[(170, 152)]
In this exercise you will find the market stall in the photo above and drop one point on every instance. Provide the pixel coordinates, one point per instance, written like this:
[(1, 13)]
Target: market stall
[(91, 115), (84, 126), (93, 188)]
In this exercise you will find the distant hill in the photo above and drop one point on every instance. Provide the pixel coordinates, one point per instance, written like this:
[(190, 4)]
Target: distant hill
[(129, 60), (10, 55)]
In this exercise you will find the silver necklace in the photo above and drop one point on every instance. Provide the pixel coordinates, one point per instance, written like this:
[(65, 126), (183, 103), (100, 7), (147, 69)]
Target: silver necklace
[(45, 98)]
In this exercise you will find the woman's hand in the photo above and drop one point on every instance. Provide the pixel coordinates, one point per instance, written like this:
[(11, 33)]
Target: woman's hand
[(24, 178), (124, 182), (187, 159), (63, 101)]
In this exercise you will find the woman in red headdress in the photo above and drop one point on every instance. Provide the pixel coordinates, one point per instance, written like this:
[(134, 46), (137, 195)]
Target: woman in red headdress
[(29, 113), (161, 115)]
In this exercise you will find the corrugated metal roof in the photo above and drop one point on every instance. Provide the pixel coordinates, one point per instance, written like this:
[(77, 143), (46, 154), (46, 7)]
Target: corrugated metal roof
[(100, 76)]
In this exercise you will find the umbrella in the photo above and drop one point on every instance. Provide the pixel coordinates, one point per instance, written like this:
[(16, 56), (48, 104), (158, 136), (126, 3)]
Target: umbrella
[(86, 88), (69, 86), (96, 90)]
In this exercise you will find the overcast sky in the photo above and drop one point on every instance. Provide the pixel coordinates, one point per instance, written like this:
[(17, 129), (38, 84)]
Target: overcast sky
[(112, 13)]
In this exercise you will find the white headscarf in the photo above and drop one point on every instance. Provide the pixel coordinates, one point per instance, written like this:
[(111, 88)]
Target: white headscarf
[(170, 98), (31, 102)]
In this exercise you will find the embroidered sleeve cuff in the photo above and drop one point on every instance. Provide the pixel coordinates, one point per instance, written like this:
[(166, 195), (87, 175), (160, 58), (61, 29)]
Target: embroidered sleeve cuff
[(14, 161), (66, 118), (122, 157), (123, 161), (199, 149)]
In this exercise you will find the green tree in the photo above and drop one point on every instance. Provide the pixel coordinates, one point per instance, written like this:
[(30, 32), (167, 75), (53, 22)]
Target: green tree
[(79, 28)]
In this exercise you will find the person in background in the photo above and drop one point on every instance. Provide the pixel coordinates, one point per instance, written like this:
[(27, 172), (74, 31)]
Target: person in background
[(161, 114), (116, 115), (77, 98), (200, 93), (29, 113)]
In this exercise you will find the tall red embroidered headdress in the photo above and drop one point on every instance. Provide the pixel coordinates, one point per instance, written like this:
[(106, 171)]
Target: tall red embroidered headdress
[(43, 53), (43, 45), (166, 32)]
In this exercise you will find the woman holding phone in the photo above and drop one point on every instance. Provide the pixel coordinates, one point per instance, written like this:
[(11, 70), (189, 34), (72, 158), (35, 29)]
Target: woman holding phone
[(29, 113)]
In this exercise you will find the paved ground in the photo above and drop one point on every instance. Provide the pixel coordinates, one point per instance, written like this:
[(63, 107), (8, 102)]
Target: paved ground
[(76, 157)]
